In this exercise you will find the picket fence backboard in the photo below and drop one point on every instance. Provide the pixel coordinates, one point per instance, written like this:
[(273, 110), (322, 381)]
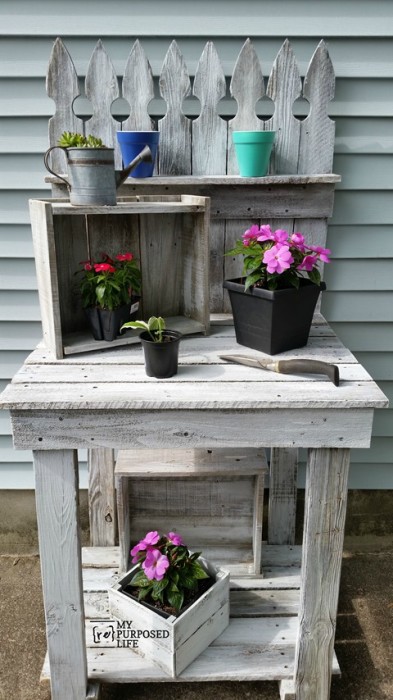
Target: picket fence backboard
[(359, 299)]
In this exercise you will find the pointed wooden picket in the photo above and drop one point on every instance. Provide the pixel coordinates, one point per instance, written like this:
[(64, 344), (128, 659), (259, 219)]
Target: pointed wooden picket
[(102, 89), (62, 87), (175, 127), (138, 90), (209, 130), (317, 130), (247, 87), (284, 87)]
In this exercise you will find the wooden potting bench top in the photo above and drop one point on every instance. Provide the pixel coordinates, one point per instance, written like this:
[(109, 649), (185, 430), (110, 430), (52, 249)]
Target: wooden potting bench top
[(282, 624)]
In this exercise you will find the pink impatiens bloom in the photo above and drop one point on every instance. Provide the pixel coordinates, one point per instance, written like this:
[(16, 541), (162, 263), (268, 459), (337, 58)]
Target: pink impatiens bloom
[(280, 236), (175, 538), (140, 547), (265, 233), (322, 252), (155, 565), (150, 539), (251, 234), (278, 259), (298, 240), (308, 263)]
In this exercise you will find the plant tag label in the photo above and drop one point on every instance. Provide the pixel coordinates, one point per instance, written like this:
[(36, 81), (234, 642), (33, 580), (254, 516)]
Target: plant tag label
[(134, 307)]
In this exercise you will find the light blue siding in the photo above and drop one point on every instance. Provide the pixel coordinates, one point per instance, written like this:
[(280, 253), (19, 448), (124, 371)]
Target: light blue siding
[(359, 300)]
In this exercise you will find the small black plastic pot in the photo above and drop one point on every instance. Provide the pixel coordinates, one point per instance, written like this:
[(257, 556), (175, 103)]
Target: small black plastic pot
[(161, 358), (106, 324)]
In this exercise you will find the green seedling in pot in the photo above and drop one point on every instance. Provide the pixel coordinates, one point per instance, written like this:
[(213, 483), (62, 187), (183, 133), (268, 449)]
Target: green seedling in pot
[(154, 326)]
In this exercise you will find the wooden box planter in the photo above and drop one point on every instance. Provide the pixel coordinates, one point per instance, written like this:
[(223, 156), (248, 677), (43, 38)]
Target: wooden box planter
[(174, 642), (168, 234)]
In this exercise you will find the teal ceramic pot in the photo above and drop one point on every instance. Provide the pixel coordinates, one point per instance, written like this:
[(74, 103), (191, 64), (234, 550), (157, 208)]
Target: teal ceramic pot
[(253, 151)]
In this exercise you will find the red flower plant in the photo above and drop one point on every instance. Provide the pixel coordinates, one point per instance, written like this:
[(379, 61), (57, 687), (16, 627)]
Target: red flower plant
[(110, 283)]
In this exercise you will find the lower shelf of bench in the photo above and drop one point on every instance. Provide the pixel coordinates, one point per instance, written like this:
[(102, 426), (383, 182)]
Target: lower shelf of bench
[(259, 643)]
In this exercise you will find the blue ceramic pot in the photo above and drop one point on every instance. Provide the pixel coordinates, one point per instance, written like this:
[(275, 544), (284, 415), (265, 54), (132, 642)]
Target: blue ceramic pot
[(131, 144)]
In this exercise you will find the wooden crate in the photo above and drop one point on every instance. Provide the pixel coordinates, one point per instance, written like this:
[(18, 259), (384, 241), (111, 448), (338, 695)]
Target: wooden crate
[(213, 498), (168, 234), (174, 642)]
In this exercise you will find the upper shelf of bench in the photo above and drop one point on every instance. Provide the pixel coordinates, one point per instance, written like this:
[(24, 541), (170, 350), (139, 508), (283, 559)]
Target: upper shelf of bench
[(225, 180)]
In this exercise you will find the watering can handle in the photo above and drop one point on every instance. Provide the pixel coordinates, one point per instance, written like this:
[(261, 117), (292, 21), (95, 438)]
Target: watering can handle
[(46, 158)]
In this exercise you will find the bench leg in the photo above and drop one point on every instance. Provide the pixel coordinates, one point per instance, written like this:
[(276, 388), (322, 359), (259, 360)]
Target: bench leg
[(325, 509), (57, 500)]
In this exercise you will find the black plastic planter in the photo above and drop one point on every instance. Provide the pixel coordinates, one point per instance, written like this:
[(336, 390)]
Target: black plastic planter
[(106, 324), (276, 321), (161, 358)]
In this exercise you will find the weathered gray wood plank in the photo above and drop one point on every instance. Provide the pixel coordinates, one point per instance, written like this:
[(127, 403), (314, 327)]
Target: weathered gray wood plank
[(247, 87), (62, 87), (175, 127), (58, 428), (102, 497), (317, 130), (326, 497), (282, 496), (209, 130), (138, 90), (56, 483), (213, 395), (284, 87), (189, 463), (102, 89)]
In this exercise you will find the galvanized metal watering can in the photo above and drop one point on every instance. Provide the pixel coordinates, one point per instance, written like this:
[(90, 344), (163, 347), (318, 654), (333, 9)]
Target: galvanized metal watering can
[(92, 178)]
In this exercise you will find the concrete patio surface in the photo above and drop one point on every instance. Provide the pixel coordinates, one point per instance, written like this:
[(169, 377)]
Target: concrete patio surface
[(364, 640)]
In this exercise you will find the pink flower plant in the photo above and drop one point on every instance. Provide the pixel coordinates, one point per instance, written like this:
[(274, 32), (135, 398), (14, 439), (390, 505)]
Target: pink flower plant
[(278, 259), (108, 284), (166, 569), (155, 565)]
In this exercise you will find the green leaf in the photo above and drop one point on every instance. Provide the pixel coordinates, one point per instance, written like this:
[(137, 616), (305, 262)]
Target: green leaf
[(172, 588), (159, 586), (100, 292), (188, 581), (143, 592), (174, 576), (176, 600), (315, 276), (198, 572), (140, 579), (195, 556), (136, 324), (252, 279)]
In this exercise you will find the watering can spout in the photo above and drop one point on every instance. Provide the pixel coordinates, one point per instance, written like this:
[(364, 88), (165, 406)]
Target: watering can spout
[(144, 156)]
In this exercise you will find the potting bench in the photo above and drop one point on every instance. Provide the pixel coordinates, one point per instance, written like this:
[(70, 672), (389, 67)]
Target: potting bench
[(282, 623)]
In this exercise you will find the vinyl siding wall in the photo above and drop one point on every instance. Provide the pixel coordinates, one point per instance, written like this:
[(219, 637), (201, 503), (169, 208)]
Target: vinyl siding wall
[(359, 300)]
